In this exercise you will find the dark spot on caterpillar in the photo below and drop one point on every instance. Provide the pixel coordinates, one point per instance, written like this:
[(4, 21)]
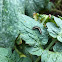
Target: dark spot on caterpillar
[(36, 27)]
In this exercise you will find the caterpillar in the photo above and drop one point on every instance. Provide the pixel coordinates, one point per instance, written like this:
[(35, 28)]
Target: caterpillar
[(36, 27)]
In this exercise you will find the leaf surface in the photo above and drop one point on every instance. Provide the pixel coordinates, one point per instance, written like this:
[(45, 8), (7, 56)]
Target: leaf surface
[(54, 31), (48, 56), (5, 55), (58, 21), (34, 6), (57, 47), (9, 30), (31, 36)]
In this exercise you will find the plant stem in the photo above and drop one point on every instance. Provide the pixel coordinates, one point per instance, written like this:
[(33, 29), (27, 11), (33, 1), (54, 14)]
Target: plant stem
[(58, 3), (31, 57), (53, 41), (37, 60), (56, 10), (17, 50), (44, 19)]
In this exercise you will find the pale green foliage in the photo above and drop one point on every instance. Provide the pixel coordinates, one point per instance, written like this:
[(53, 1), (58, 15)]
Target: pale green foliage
[(16, 58), (35, 50), (31, 36), (5, 55), (58, 21), (14, 23), (48, 56), (57, 47), (49, 6), (35, 6), (10, 29), (0, 14), (54, 31)]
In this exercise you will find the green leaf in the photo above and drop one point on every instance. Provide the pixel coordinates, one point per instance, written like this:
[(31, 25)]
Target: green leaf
[(58, 21), (31, 36), (59, 37), (54, 31), (5, 55), (57, 47), (49, 6), (35, 50), (35, 6), (1, 15), (48, 56), (16, 58), (26, 59), (10, 29)]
